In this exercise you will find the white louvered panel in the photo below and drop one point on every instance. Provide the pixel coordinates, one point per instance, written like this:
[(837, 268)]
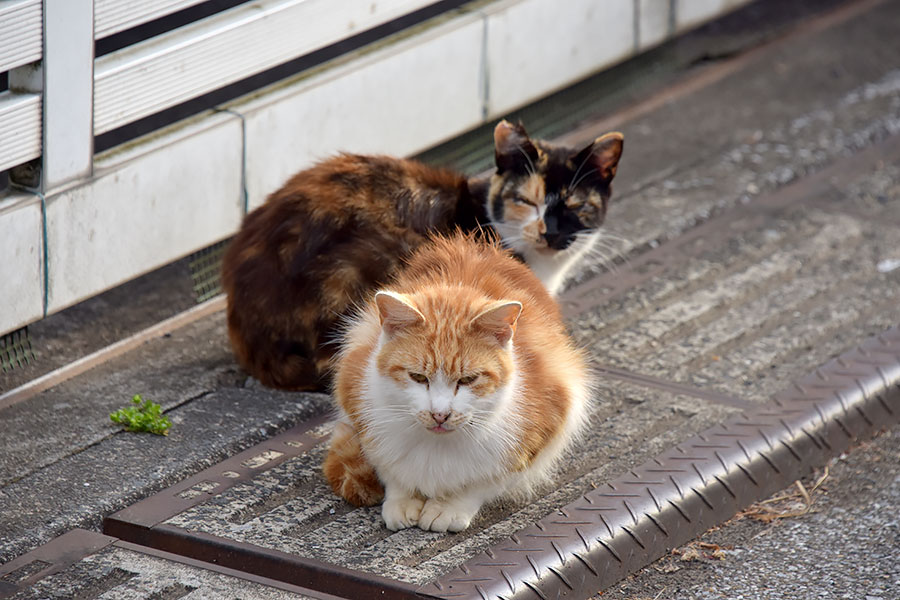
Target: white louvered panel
[(21, 34), (20, 128), (207, 55), (113, 16)]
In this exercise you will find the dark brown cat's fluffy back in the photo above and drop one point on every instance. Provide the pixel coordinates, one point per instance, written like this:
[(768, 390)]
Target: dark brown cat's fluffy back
[(309, 254)]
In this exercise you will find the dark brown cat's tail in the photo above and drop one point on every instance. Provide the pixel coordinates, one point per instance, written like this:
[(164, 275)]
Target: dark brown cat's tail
[(276, 363), (347, 470)]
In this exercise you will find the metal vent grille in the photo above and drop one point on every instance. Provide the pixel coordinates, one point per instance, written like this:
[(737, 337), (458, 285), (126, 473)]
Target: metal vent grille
[(206, 271), (15, 350)]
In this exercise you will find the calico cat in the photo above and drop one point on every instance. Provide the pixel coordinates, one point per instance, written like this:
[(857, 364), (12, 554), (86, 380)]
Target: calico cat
[(456, 386), (333, 233)]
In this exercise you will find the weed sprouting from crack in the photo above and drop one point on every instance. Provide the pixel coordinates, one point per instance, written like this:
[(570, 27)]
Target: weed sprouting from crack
[(143, 416)]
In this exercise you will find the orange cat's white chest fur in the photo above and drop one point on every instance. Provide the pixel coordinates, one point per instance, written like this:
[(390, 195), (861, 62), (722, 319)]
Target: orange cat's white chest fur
[(461, 385)]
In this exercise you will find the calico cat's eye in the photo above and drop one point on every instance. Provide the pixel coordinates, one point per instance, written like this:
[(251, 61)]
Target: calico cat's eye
[(418, 377), (467, 380), (522, 201)]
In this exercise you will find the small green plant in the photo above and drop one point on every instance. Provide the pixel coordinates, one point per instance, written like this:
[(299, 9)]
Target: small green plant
[(143, 416)]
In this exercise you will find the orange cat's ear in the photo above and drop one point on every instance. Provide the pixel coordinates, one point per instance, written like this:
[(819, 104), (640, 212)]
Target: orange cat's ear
[(396, 311), (513, 148), (602, 155), (499, 320)]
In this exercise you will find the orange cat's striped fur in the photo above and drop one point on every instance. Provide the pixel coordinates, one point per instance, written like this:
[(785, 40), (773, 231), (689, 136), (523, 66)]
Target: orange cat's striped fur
[(456, 386)]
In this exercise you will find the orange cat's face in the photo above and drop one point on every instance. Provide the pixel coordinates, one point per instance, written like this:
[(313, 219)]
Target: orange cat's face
[(445, 352)]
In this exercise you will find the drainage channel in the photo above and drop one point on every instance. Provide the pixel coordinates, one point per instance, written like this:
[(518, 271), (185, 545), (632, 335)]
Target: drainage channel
[(572, 550)]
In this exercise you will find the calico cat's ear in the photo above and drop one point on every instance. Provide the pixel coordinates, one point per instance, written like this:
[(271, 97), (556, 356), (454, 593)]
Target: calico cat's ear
[(513, 148), (602, 155), (499, 320), (396, 311)]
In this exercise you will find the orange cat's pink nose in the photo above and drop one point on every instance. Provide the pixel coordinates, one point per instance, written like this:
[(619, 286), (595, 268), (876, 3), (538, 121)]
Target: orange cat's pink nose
[(439, 418)]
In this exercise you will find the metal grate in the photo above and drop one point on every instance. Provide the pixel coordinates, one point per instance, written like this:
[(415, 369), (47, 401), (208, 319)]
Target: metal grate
[(15, 350), (206, 271)]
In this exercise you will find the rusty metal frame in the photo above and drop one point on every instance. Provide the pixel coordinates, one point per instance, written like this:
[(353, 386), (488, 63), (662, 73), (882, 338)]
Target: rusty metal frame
[(52, 557), (317, 576), (640, 516), (142, 524), (66, 550)]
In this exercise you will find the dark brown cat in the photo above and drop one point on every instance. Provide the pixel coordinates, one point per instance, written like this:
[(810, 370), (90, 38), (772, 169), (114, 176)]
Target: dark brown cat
[(334, 233)]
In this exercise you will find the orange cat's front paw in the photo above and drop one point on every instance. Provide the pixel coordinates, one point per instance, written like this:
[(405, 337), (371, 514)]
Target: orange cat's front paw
[(400, 513), (445, 516)]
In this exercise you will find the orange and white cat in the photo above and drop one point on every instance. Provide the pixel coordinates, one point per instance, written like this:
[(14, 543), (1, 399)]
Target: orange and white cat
[(457, 386)]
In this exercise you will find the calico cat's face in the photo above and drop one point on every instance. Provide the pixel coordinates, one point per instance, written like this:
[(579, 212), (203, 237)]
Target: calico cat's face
[(445, 357), (545, 199)]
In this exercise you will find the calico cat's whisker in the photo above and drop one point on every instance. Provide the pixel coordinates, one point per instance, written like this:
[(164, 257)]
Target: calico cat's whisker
[(577, 171), (607, 254), (606, 264), (605, 261), (513, 241), (531, 169), (617, 248), (609, 236), (599, 249), (610, 239), (515, 235), (582, 178), (611, 252), (506, 230), (614, 245)]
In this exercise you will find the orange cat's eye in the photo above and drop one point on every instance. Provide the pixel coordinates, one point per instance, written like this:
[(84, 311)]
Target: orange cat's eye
[(467, 379), (418, 377)]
